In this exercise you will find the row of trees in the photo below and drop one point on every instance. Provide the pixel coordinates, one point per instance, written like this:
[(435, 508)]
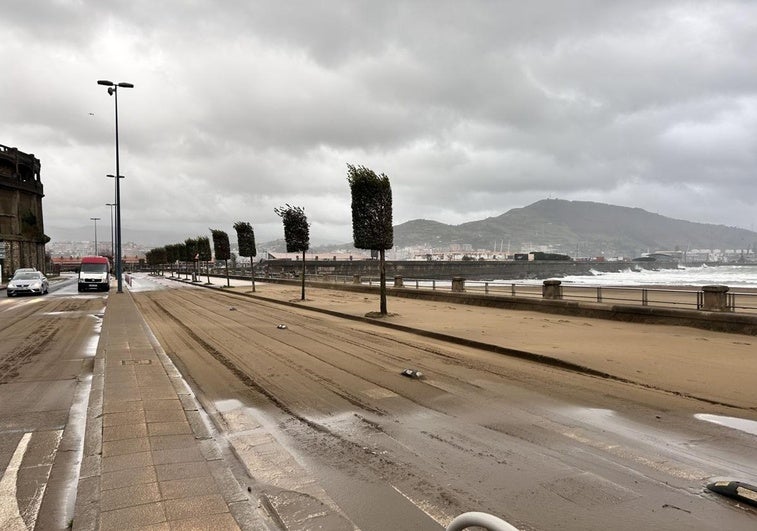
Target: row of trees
[(371, 229)]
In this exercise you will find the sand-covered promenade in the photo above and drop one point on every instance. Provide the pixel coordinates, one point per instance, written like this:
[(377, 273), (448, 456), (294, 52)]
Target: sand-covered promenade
[(712, 366)]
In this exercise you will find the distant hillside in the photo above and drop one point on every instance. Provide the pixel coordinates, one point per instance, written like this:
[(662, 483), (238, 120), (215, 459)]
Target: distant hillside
[(576, 228)]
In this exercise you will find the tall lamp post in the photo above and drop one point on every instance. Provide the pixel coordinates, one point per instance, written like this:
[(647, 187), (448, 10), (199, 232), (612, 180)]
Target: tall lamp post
[(95, 220), (113, 91), (112, 238)]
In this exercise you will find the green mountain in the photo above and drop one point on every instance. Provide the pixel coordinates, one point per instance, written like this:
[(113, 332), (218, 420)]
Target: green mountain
[(575, 228)]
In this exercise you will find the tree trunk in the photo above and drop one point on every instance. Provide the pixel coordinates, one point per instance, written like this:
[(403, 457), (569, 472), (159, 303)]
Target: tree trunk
[(303, 275), (207, 270), (252, 273), (382, 276)]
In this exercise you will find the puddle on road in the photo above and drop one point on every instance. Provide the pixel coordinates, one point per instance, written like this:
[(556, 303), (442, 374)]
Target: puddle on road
[(224, 406), (747, 426), (90, 347)]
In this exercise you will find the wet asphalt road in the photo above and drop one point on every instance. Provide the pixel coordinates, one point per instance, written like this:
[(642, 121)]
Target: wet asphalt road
[(47, 344)]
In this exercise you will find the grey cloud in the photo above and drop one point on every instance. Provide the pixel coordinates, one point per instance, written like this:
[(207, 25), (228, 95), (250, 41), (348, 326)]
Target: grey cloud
[(470, 108)]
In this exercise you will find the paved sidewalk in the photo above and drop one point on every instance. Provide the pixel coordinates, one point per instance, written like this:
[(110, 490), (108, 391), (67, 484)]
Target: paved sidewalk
[(149, 458)]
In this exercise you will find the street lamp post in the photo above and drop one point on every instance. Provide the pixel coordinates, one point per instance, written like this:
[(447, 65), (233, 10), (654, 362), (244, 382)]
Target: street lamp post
[(113, 91), (116, 225), (95, 220), (112, 230)]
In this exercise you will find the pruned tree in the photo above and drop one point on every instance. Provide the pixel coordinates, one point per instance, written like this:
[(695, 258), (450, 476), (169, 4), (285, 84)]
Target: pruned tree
[(156, 258), (246, 242), (182, 257), (222, 249), (372, 216), (192, 255), (296, 233), (203, 249), (172, 255)]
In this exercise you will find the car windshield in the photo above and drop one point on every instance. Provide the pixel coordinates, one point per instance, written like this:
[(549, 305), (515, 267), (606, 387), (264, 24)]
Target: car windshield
[(27, 276), (94, 268)]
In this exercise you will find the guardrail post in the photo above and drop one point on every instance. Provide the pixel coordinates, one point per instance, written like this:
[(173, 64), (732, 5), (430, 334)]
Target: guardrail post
[(458, 284), (398, 282), (731, 302), (715, 298), (356, 279), (552, 289), (599, 294)]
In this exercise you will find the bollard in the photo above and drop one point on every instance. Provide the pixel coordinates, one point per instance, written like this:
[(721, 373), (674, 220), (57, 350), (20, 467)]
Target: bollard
[(398, 282), (356, 279), (458, 284), (552, 289), (715, 298)]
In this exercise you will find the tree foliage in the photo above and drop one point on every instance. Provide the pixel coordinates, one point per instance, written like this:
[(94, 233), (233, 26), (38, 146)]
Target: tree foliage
[(296, 228), (221, 246), (172, 253), (191, 246), (245, 239), (203, 248), (182, 251), (371, 208), (156, 257)]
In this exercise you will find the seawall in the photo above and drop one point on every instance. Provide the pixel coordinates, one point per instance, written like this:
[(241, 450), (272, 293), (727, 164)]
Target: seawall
[(444, 270), (709, 320)]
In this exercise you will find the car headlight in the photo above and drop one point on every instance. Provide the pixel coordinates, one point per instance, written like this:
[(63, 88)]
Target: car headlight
[(37, 285)]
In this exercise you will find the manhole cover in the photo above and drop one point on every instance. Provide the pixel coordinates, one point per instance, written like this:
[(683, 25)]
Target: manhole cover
[(136, 362)]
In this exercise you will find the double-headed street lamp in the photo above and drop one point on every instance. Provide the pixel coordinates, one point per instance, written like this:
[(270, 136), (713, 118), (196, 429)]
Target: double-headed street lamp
[(112, 238), (113, 91), (96, 249)]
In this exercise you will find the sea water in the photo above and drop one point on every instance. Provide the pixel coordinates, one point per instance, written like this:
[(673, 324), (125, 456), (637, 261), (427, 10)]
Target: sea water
[(733, 276)]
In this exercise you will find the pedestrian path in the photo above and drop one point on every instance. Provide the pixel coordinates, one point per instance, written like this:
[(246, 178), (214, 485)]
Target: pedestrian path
[(149, 457)]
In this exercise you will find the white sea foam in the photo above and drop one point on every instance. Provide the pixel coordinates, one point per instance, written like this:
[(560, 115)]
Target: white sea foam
[(727, 275)]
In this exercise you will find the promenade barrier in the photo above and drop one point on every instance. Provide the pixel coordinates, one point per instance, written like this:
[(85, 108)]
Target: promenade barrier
[(706, 298), (678, 307)]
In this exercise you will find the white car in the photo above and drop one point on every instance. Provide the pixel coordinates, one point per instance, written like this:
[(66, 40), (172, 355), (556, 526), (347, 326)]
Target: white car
[(32, 282)]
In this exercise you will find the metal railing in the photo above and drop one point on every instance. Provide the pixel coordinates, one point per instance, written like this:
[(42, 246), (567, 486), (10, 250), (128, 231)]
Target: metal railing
[(686, 298)]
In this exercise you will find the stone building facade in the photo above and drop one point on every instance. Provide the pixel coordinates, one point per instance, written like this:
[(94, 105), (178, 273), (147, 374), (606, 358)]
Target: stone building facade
[(22, 234)]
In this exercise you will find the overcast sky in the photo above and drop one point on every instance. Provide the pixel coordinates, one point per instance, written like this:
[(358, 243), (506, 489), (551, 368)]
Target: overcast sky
[(470, 107)]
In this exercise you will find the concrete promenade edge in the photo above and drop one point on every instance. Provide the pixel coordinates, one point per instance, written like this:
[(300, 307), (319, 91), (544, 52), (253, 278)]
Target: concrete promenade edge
[(149, 458)]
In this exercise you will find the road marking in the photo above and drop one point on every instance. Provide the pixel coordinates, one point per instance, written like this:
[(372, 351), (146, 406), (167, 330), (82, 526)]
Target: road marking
[(660, 463), (10, 516), (427, 508)]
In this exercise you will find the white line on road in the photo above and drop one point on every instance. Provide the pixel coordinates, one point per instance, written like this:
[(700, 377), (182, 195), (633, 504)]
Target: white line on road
[(10, 516), (428, 508)]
